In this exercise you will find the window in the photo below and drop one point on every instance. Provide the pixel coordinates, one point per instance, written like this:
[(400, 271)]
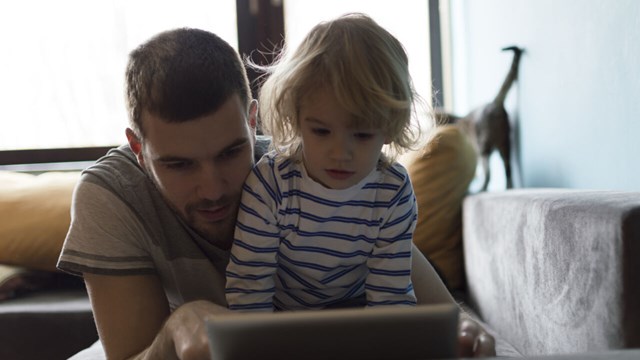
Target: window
[(62, 64)]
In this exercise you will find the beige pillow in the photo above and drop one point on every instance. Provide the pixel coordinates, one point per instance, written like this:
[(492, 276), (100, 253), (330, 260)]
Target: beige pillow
[(34, 217), (441, 176)]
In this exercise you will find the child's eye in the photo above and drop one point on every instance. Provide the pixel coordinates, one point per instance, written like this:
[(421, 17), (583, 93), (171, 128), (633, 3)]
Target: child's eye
[(363, 136), (320, 131)]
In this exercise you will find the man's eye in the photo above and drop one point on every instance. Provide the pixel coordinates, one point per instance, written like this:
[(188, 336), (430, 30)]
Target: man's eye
[(231, 153), (320, 131), (178, 165)]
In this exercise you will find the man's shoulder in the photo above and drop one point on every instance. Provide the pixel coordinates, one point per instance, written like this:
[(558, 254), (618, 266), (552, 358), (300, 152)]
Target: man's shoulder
[(117, 165), (119, 173), (278, 162), (262, 146)]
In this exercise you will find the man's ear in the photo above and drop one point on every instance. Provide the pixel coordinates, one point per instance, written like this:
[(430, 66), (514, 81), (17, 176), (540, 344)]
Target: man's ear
[(253, 114), (136, 145)]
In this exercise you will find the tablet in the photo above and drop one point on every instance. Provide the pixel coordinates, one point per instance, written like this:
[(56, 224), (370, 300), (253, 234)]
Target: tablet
[(385, 332)]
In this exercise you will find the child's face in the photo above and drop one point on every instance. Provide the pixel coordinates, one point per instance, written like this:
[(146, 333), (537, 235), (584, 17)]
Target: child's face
[(335, 154)]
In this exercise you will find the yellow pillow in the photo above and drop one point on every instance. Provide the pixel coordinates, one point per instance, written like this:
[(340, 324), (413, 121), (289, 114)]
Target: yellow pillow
[(34, 217), (441, 176)]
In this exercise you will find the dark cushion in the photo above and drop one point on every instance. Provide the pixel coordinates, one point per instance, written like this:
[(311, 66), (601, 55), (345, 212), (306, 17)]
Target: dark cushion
[(53, 324)]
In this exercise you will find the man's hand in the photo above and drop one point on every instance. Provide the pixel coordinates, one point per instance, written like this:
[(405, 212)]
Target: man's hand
[(186, 329), (473, 340)]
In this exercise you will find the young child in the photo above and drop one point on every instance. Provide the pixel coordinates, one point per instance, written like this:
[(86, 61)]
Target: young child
[(326, 218)]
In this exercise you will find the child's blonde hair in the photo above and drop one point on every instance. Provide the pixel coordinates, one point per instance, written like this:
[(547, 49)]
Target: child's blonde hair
[(366, 68)]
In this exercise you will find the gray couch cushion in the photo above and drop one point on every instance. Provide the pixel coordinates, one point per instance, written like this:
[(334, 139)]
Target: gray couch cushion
[(555, 270)]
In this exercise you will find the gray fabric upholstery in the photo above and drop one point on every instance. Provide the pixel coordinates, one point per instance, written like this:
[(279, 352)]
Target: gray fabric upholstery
[(52, 324), (555, 270)]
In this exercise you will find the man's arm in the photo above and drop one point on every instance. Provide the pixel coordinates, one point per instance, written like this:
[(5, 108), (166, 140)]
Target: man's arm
[(129, 312), (133, 319), (427, 285), (473, 340)]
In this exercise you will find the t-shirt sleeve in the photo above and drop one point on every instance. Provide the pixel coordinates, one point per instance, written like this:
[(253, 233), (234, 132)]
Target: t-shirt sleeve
[(105, 236)]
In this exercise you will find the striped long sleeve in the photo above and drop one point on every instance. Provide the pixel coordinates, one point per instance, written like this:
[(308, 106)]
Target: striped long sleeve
[(253, 261), (389, 280)]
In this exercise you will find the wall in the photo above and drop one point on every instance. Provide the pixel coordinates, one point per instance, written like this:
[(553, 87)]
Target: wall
[(576, 107)]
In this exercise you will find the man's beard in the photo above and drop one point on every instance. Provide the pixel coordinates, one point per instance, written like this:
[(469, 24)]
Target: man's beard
[(219, 233)]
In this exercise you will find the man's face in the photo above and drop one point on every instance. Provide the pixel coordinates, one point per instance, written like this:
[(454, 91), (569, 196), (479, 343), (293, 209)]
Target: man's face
[(200, 165)]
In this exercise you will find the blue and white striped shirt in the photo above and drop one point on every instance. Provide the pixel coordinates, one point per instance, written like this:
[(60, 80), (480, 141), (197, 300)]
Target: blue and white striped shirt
[(299, 245)]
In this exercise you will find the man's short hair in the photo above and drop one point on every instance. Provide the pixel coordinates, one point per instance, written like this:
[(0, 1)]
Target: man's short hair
[(182, 74)]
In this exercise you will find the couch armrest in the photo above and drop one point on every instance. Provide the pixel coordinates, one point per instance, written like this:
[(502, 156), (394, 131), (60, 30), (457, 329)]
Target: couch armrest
[(52, 324), (555, 270)]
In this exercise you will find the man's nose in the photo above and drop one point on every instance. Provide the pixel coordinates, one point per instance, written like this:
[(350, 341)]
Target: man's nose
[(212, 184)]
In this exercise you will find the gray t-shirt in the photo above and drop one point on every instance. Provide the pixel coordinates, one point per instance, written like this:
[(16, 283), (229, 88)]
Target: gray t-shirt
[(121, 225)]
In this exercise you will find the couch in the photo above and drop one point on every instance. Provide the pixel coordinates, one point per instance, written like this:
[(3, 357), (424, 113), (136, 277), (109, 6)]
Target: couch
[(549, 271), (555, 271)]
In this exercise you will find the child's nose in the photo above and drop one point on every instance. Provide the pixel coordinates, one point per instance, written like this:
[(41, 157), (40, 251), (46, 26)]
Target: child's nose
[(341, 149)]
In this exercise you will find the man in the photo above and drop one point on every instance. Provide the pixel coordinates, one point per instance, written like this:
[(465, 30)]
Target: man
[(152, 222)]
